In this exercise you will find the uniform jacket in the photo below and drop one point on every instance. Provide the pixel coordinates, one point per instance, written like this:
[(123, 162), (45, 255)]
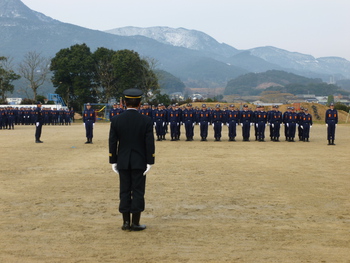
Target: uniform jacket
[(131, 141)]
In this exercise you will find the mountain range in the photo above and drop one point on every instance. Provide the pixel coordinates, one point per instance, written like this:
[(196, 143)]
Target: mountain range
[(190, 55)]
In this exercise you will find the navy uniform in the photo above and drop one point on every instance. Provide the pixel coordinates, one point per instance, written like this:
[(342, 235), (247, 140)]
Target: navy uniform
[(292, 123), (189, 119), (159, 119), (300, 121), (39, 120), (174, 118), (261, 119), (89, 118), (217, 120), (305, 125), (2, 117), (285, 119), (204, 118), (246, 118), (116, 110), (232, 122), (331, 122), (275, 119), (146, 110), (131, 153)]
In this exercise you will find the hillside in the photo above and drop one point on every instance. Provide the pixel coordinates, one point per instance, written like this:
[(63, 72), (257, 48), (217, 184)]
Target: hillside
[(248, 84)]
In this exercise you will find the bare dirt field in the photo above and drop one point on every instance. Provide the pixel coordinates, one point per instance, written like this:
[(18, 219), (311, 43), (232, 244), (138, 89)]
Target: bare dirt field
[(205, 201)]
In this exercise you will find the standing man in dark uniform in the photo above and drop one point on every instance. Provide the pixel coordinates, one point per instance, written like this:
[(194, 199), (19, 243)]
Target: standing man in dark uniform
[(204, 118), (189, 119), (232, 122), (275, 121), (331, 123), (246, 118), (292, 124), (305, 125), (217, 119), (89, 118), (159, 122), (261, 119), (174, 119), (131, 153), (39, 120)]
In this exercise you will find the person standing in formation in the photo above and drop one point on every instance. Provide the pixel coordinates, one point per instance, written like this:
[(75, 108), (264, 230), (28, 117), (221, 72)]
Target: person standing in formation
[(89, 118), (131, 153), (217, 122), (204, 118), (331, 123), (39, 120)]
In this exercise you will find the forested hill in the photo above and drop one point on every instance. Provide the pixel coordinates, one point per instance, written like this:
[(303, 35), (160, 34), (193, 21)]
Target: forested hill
[(255, 83)]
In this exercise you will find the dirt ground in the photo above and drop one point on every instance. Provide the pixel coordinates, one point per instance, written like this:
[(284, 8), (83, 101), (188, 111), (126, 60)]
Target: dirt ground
[(205, 201)]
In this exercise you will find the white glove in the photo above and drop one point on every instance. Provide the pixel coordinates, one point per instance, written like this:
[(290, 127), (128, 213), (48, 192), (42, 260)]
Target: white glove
[(212, 125), (301, 126), (273, 125), (236, 124), (208, 123), (297, 125), (256, 125), (154, 124), (84, 124), (148, 167), (93, 124), (310, 126), (114, 168), (199, 124), (192, 124), (227, 124), (326, 124), (37, 124), (287, 124), (242, 124), (222, 124), (252, 124)]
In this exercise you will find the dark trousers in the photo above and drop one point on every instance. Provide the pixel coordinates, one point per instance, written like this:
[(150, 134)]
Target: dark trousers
[(261, 130), (217, 129), (276, 129), (89, 125), (174, 129), (204, 129), (306, 130), (38, 131), (246, 130), (132, 191), (189, 129), (232, 129), (331, 130)]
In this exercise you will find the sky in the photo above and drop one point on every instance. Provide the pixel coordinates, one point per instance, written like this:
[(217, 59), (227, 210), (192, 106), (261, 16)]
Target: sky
[(315, 27)]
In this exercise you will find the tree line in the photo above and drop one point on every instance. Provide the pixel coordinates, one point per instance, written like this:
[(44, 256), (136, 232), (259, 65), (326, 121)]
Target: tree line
[(81, 76)]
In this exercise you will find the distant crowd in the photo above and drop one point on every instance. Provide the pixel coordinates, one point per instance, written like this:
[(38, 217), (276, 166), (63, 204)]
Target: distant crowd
[(11, 116)]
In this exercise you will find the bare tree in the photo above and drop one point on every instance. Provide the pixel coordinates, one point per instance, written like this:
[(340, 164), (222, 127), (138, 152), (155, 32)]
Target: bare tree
[(34, 69)]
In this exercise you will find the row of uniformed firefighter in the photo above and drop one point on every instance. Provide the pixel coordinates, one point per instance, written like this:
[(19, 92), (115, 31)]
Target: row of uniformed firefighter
[(295, 123)]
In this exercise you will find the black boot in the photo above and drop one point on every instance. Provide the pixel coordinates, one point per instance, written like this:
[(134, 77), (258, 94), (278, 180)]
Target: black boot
[(88, 140), (126, 222), (333, 142), (329, 142), (135, 226)]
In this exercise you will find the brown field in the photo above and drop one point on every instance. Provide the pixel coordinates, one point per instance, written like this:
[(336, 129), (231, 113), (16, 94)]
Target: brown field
[(205, 201)]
